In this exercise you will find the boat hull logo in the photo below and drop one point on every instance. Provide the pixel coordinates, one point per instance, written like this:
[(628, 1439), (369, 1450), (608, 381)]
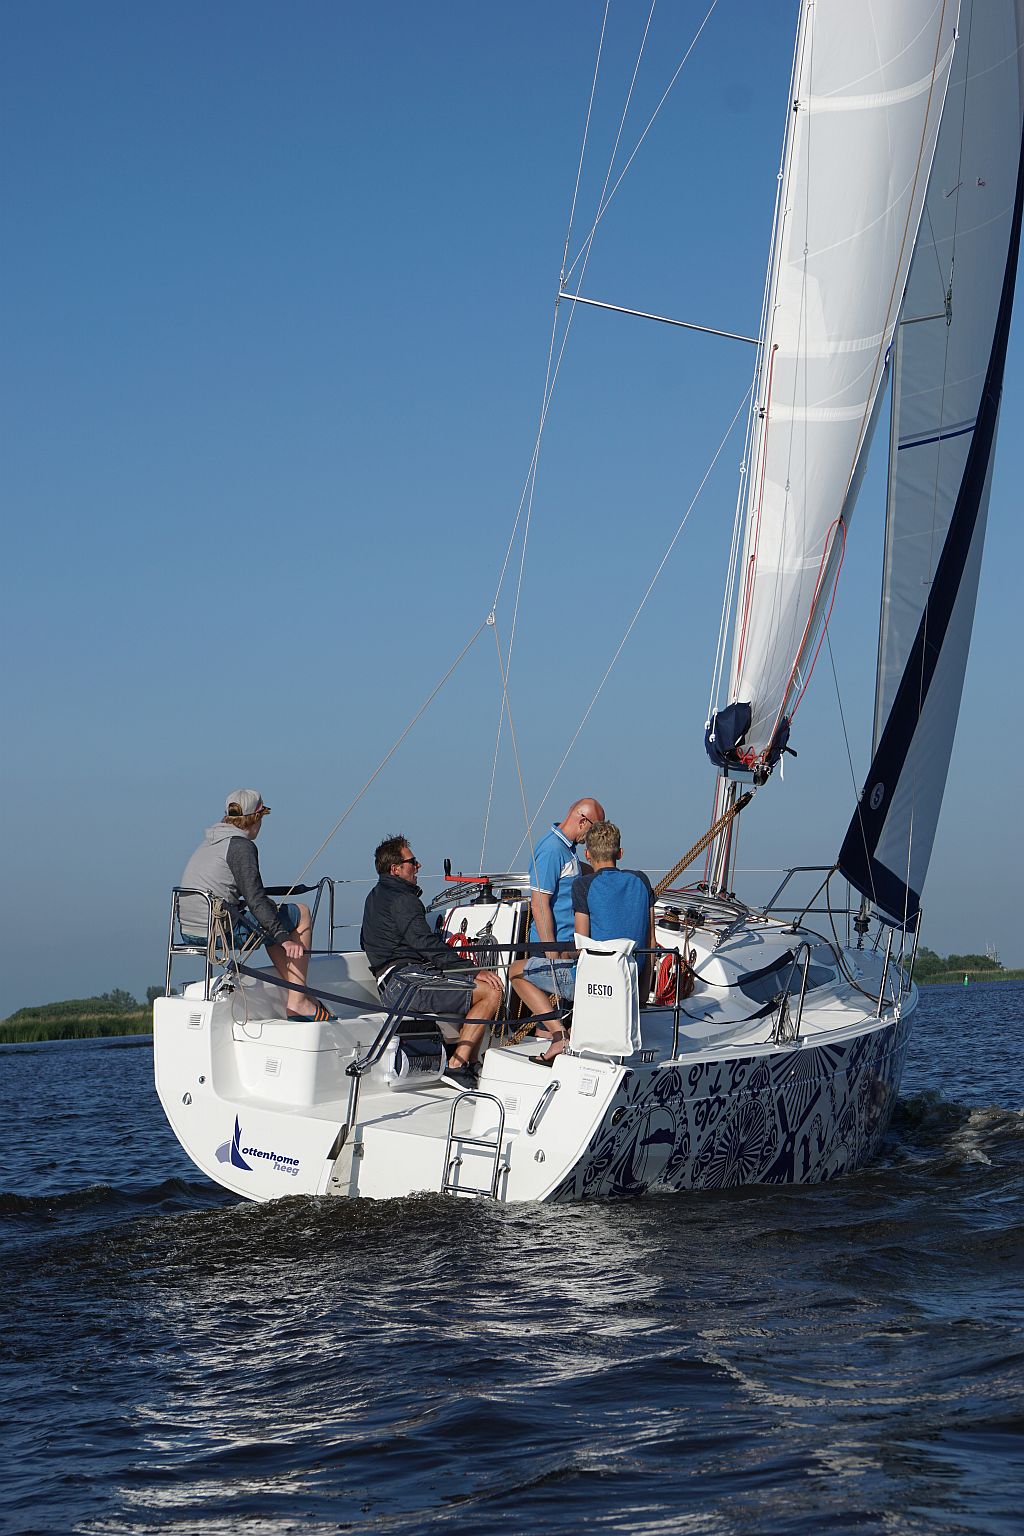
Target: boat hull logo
[(234, 1153)]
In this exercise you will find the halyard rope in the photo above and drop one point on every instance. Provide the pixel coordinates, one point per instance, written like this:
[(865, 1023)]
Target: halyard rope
[(703, 842), (630, 626), (552, 375)]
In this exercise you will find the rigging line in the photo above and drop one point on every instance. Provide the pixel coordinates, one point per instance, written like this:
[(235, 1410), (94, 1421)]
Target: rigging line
[(561, 283), (530, 482), (938, 264), (529, 492), (739, 514), (730, 577), (530, 488), (853, 772), (549, 387), (550, 379), (515, 744), (618, 138), (391, 752), (586, 131), (605, 204), (629, 628)]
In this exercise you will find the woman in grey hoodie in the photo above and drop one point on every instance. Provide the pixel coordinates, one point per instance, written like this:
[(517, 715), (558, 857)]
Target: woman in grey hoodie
[(227, 865)]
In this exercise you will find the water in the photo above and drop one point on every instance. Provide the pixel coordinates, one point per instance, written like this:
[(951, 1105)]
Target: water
[(845, 1358)]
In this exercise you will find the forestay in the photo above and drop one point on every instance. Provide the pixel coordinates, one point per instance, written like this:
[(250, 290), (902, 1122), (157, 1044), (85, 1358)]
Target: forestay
[(947, 382), (868, 87)]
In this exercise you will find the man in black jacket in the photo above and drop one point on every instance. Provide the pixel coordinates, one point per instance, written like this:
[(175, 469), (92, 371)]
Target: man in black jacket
[(402, 947)]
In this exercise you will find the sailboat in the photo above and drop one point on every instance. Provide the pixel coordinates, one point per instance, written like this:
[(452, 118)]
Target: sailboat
[(772, 1047)]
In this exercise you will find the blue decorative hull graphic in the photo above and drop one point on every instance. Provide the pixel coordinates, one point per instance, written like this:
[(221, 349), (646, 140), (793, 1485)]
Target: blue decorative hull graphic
[(795, 1117)]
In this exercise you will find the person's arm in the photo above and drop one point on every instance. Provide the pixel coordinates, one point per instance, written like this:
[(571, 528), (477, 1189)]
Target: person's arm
[(543, 917), (546, 869), (243, 862), (580, 906)]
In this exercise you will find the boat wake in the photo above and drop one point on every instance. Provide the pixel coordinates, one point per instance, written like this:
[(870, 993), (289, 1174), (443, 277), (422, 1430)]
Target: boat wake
[(949, 1133), (103, 1199)]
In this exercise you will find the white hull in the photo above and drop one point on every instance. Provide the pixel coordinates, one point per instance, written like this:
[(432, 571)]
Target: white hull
[(262, 1106)]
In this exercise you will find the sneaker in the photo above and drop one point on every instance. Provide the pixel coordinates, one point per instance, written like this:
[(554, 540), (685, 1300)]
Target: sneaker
[(460, 1077)]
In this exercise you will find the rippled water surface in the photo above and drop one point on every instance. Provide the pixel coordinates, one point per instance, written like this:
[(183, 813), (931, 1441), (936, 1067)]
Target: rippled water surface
[(842, 1358)]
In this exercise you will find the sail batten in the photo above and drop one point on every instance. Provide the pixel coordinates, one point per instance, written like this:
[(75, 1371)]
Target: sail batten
[(945, 414)]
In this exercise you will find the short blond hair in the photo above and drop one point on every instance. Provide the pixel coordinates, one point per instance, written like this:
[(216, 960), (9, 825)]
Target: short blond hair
[(604, 841)]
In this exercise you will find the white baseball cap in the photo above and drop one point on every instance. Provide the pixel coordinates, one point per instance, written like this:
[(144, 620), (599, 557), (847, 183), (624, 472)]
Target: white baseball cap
[(245, 802)]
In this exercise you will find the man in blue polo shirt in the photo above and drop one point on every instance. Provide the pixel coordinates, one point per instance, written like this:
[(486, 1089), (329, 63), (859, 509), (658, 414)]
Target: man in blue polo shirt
[(550, 967)]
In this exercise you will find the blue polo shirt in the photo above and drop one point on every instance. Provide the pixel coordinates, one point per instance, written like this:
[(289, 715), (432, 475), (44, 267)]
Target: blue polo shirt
[(553, 869), (618, 902)]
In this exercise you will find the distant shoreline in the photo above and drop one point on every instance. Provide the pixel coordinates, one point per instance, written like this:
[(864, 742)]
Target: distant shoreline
[(956, 978), (83, 1026), (61, 1023)]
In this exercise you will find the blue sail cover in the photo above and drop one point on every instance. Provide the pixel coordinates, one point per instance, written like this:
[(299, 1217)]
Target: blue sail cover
[(950, 361)]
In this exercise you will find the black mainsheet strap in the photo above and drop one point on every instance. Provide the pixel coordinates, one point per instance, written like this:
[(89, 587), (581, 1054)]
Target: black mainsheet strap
[(363, 1006)]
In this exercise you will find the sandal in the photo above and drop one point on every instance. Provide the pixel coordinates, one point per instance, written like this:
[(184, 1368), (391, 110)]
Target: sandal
[(318, 1016), (547, 1058)]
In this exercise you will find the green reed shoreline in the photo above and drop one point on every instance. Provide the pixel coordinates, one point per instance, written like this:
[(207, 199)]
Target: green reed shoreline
[(81, 1018)]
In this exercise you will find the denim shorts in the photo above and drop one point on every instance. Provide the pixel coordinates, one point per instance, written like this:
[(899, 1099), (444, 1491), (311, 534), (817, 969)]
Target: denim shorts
[(552, 976), (247, 927)]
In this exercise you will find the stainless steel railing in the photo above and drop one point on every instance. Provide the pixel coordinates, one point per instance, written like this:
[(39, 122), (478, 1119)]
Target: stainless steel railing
[(219, 948)]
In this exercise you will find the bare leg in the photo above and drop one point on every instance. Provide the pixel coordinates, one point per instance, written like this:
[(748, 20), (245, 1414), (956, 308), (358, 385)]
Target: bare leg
[(294, 970), (487, 999), (536, 1000)]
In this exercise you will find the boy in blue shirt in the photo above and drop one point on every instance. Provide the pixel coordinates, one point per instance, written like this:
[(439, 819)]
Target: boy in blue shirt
[(612, 903)]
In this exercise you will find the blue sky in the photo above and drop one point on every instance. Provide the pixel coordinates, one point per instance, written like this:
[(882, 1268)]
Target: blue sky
[(277, 296)]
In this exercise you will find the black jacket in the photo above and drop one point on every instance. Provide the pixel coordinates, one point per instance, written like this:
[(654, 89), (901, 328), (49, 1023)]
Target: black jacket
[(395, 929)]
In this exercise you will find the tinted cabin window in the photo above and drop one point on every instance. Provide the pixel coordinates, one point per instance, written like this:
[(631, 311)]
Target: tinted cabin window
[(764, 986)]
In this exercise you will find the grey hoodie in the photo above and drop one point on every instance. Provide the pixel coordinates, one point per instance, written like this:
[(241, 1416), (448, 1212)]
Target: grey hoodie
[(227, 865)]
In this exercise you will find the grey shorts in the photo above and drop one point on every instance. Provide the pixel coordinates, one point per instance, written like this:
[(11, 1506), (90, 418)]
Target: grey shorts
[(434, 993)]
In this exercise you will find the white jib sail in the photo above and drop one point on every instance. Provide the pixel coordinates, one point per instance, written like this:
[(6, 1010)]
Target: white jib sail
[(942, 360), (869, 85)]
